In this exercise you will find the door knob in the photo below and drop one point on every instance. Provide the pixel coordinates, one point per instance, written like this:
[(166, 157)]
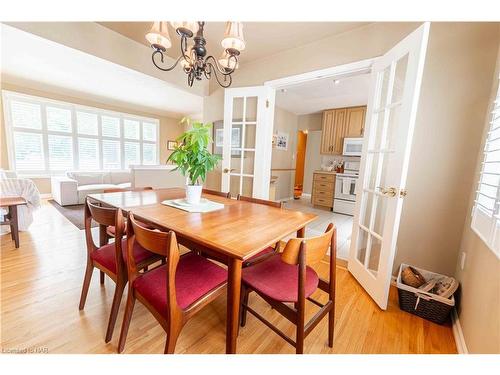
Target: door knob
[(227, 170), (391, 191)]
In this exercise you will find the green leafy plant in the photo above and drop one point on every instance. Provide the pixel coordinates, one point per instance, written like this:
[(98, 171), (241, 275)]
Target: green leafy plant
[(191, 155)]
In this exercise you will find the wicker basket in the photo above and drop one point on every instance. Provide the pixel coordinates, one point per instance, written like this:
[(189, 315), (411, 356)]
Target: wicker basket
[(424, 304)]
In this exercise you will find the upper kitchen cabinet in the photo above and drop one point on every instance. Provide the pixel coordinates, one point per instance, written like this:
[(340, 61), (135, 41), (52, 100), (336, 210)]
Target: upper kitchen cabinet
[(355, 121), (338, 124)]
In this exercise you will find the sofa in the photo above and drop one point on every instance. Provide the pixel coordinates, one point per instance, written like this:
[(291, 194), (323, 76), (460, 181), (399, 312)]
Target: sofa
[(74, 186)]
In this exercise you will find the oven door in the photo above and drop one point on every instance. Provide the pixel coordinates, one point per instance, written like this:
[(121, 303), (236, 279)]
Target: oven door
[(345, 188), (352, 146)]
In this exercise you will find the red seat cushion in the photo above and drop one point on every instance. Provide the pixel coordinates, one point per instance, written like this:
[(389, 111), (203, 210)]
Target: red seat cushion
[(195, 277), (105, 255), (279, 280), (267, 250)]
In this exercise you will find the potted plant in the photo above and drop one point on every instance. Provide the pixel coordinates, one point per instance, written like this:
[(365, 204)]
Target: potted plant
[(193, 159)]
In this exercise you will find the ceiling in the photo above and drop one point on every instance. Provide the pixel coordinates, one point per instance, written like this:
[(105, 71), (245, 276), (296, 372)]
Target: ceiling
[(37, 63), (262, 38), (318, 95)]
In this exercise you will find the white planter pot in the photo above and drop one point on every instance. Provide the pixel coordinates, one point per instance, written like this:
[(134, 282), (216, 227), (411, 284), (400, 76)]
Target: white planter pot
[(193, 194)]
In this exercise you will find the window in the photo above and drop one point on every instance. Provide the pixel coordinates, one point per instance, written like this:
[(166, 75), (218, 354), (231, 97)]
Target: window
[(48, 137), (486, 210)]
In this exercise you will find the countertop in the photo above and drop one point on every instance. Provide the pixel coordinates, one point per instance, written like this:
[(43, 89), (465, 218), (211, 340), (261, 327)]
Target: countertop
[(325, 172)]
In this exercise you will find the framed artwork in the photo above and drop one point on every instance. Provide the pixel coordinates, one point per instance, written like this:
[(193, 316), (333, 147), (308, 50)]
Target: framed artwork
[(171, 145), (218, 137), (280, 141)]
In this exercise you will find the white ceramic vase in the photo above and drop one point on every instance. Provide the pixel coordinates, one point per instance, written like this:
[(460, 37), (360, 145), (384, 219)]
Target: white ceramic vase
[(193, 194)]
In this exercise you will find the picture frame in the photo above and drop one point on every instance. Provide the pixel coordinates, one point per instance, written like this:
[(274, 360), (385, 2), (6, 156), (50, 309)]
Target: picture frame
[(171, 145), (218, 138), (280, 141)]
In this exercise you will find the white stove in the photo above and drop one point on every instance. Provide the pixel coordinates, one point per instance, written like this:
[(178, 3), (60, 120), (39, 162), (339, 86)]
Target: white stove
[(345, 189)]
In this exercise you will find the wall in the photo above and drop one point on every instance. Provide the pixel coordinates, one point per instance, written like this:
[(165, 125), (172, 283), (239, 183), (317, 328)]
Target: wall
[(312, 121), (169, 127), (479, 307), (313, 158), (455, 89), (285, 122)]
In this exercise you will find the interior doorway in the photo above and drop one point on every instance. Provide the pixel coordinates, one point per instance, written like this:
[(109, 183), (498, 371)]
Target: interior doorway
[(298, 186)]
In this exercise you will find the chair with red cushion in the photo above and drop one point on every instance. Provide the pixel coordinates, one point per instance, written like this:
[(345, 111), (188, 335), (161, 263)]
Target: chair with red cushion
[(288, 278), (268, 251), (173, 292), (110, 258)]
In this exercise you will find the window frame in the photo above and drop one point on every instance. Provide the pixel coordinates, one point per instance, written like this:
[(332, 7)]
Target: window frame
[(9, 96), (487, 225)]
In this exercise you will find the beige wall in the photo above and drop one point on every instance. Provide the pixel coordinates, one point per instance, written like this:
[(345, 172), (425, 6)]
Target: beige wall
[(312, 121), (169, 127), (285, 122), (479, 307), (456, 84)]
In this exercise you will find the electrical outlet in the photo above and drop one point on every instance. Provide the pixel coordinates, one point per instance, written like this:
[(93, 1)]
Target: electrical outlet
[(462, 260)]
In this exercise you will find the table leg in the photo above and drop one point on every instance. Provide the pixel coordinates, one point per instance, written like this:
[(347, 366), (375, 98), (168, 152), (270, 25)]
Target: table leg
[(301, 233), (233, 304), (14, 225)]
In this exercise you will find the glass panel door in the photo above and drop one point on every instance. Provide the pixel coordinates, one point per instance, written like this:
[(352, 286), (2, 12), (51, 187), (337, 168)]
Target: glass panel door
[(390, 120)]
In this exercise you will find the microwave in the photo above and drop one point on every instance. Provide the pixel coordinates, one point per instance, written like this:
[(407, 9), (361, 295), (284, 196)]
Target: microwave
[(352, 146)]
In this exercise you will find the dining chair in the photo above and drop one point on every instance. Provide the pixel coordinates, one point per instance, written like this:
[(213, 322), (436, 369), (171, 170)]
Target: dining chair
[(271, 250), (173, 292), (110, 231), (288, 278), (218, 193), (110, 258)]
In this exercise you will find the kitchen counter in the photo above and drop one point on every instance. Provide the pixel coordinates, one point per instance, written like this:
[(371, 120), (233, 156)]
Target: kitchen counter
[(325, 172)]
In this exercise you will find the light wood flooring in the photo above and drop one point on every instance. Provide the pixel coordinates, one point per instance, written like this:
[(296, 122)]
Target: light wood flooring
[(40, 290)]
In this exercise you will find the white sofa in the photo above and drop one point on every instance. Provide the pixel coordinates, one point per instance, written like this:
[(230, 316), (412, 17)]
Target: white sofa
[(76, 185)]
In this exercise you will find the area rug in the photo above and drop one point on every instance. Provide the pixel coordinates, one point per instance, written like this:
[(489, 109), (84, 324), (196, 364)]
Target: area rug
[(75, 214)]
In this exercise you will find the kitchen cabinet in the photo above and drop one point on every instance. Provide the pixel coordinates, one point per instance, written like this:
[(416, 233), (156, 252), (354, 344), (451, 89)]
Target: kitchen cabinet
[(323, 189), (338, 124)]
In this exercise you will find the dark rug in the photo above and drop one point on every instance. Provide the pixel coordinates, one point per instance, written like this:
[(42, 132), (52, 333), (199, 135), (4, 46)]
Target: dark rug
[(75, 214)]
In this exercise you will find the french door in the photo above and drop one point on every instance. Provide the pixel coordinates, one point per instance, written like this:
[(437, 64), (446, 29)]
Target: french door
[(392, 106), (247, 141)]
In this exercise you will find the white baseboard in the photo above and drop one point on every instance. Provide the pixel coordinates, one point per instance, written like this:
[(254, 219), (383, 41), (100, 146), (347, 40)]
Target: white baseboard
[(46, 195), (306, 195), (458, 334)]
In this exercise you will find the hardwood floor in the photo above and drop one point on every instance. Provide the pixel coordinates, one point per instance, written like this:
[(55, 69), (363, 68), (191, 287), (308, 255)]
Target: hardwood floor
[(40, 289)]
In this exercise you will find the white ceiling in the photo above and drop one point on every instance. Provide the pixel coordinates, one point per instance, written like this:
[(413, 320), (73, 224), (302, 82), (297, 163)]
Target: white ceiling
[(318, 95), (262, 38), (36, 61)]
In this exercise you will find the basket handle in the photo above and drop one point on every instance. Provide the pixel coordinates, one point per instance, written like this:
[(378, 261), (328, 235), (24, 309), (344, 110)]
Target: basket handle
[(420, 295)]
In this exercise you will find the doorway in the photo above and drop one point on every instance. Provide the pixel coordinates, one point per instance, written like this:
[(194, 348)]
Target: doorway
[(298, 186)]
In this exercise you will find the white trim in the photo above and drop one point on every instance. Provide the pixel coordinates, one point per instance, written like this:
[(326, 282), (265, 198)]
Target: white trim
[(338, 70), (458, 334), (46, 195)]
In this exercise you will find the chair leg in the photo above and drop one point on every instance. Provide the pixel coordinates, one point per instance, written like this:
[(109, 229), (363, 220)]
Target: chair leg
[(243, 310), (102, 274), (299, 345), (86, 284), (129, 309), (117, 298), (174, 330), (331, 325)]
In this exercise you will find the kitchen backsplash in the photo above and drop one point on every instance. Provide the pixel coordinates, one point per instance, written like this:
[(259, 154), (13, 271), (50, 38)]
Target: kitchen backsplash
[(328, 159)]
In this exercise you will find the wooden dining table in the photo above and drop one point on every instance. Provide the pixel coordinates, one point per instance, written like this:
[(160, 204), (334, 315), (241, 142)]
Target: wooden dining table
[(231, 235)]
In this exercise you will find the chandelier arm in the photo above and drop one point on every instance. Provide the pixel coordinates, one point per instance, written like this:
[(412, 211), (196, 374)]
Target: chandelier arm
[(156, 52), (184, 49), (226, 76), (223, 71)]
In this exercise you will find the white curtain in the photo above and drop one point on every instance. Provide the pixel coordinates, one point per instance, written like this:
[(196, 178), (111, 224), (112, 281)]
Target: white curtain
[(21, 187)]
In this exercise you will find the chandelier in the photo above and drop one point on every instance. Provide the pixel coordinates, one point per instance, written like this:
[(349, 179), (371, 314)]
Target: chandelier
[(193, 58)]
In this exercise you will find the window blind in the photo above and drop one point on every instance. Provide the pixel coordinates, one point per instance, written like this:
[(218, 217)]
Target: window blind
[(486, 210)]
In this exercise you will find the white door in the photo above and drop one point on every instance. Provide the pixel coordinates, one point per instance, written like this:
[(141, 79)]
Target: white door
[(247, 141), (390, 120)]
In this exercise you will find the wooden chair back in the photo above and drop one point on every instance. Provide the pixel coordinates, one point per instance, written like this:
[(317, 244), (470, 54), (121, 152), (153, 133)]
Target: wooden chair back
[(218, 193), (117, 190), (105, 217), (315, 247), (155, 241), (260, 201)]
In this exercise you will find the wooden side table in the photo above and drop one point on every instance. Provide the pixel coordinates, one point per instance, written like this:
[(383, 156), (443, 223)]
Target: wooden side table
[(11, 218)]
